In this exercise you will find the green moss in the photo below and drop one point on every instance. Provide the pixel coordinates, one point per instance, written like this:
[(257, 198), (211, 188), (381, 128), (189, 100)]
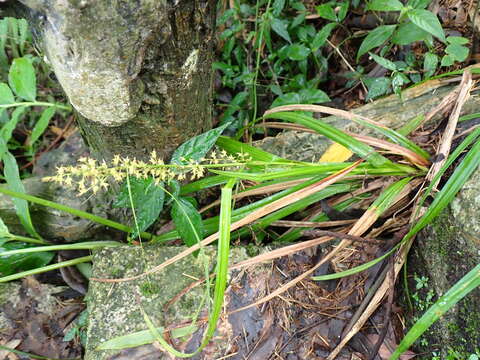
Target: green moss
[(149, 288)]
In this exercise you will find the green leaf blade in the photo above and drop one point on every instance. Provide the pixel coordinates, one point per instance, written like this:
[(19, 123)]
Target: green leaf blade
[(363, 150), (197, 147), (15, 183), (465, 285), (375, 38), (147, 199), (22, 80), (385, 5), (280, 27), (12, 264), (427, 21), (188, 221), (6, 95), (41, 124)]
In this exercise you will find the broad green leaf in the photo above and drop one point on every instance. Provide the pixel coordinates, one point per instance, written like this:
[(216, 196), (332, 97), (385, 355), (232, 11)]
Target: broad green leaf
[(375, 38), (23, 33), (15, 183), (342, 10), (313, 96), (7, 129), (447, 60), (430, 63), (387, 64), (6, 95), (408, 33), (427, 21), (356, 146), (3, 40), (398, 80), (280, 27), (188, 221), (41, 124), (277, 7), (458, 52), (286, 99), (147, 199), (21, 79), (13, 31), (300, 18), (377, 87), (464, 286), (298, 52), (22, 262), (419, 4), (234, 106), (326, 11), (197, 147), (385, 5), (322, 36), (457, 40)]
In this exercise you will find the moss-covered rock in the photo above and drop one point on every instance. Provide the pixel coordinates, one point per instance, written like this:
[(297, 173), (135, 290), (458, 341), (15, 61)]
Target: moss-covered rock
[(441, 256), (115, 308)]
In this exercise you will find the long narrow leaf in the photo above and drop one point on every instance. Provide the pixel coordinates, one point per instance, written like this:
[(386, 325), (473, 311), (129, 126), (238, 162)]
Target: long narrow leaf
[(386, 199), (473, 136), (466, 284), (396, 137), (461, 174), (364, 151), (88, 245), (316, 169), (234, 146)]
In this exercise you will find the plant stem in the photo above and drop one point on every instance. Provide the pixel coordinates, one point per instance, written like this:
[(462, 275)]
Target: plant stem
[(27, 239), (46, 268), (36, 103), (78, 246)]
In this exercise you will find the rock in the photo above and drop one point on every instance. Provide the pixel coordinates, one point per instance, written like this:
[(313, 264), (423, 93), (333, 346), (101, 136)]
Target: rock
[(114, 308), (441, 256), (56, 225)]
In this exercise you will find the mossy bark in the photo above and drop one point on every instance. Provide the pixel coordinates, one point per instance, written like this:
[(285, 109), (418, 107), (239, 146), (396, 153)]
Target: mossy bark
[(138, 73)]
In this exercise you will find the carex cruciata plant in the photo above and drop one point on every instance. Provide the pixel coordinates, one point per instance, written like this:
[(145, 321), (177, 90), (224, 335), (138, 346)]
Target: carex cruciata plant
[(292, 58)]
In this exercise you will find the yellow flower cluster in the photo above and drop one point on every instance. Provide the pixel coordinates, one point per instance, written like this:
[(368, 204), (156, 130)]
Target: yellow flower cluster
[(91, 175)]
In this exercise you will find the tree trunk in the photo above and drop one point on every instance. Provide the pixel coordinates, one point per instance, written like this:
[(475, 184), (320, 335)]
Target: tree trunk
[(138, 72)]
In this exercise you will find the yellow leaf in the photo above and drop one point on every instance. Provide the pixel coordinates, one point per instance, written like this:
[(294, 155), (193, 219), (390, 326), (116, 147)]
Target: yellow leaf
[(336, 153)]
